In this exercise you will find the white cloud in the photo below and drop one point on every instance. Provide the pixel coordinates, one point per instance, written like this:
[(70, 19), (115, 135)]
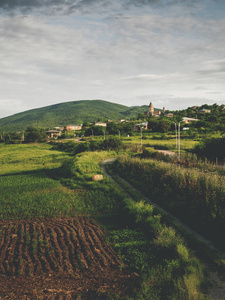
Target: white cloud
[(113, 53)]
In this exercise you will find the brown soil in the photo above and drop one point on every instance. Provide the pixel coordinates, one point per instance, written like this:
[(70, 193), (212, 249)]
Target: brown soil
[(59, 259)]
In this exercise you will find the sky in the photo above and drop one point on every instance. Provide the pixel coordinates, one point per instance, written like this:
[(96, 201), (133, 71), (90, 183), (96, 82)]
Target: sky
[(131, 52)]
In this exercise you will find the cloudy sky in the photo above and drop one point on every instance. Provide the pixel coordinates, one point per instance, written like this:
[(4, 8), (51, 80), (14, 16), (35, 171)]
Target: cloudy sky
[(170, 52)]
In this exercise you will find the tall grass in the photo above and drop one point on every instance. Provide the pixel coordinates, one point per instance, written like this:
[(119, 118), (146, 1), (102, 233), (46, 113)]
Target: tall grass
[(196, 197), (167, 267)]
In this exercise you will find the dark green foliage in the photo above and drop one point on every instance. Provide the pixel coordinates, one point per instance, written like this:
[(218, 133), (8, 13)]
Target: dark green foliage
[(112, 128), (112, 144), (211, 148), (166, 267), (160, 124), (75, 148), (33, 134), (94, 130), (208, 122)]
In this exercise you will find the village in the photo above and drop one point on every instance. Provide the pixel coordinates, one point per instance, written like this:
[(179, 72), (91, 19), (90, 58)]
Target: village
[(72, 128)]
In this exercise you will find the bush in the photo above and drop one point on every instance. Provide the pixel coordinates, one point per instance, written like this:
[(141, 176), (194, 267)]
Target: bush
[(211, 148), (33, 134)]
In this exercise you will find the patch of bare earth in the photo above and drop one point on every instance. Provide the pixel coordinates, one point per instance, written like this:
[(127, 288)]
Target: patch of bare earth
[(59, 259)]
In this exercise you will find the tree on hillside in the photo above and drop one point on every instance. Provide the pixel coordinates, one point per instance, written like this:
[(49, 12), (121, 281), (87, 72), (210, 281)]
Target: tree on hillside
[(33, 134), (112, 128), (165, 125), (140, 116)]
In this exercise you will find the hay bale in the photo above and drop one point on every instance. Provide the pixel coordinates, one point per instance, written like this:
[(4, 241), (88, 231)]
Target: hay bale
[(97, 177)]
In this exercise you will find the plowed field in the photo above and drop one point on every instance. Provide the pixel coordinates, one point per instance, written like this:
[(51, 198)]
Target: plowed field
[(59, 259)]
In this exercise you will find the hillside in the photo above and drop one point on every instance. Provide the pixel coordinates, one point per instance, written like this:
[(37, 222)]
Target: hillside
[(75, 112)]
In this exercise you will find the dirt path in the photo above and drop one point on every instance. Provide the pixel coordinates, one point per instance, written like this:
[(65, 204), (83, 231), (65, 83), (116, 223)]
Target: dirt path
[(217, 281), (167, 152)]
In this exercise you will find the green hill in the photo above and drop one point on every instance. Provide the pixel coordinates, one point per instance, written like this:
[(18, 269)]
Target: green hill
[(75, 112)]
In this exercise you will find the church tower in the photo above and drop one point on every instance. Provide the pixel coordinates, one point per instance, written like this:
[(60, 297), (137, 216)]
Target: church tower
[(151, 109)]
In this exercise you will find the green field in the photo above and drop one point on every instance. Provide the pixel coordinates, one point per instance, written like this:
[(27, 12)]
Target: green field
[(28, 189), (37, 182), (25, 157)]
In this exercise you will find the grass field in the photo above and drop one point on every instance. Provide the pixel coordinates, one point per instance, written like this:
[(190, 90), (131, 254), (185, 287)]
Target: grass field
[(161, 141), (47, 201), (28, 157), (151, 140), (28, 189)]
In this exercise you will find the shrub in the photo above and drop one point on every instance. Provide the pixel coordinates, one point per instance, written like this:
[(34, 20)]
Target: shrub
[(211, 148)]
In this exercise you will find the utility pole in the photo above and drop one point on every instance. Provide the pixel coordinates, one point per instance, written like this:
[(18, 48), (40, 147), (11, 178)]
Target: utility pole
[(22, 138), (119, 134), (141, 135), (104, 133), (175, 132), (179, 140)]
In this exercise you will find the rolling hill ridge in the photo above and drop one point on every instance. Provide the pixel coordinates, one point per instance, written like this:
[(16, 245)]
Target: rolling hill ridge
[(74, 112)]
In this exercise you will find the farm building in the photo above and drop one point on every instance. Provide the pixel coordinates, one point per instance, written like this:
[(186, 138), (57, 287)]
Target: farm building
[(53, 133), (73, 127), (189, 120), (101, 124), (138, 126)]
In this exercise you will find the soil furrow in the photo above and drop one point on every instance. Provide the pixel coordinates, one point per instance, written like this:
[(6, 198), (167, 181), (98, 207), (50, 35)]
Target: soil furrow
[(41, 251), (33, 249), (94, 252), (2, 237), (83, 245), (47, 245), (18, 255), (64, 249), (103, 247), (55, 249), (7, 241), (68, 233), (30, 261)]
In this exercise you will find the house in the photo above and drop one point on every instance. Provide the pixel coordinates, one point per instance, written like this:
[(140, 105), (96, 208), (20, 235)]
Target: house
[(144, 125), (53, 133), (121, 120), (73, 127), (169, 115), (204, 111), (59, 128), (101, 124), (189, 120)]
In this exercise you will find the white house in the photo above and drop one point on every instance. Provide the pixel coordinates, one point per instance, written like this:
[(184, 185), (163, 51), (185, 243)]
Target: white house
[(101, 124), (189, 120)]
